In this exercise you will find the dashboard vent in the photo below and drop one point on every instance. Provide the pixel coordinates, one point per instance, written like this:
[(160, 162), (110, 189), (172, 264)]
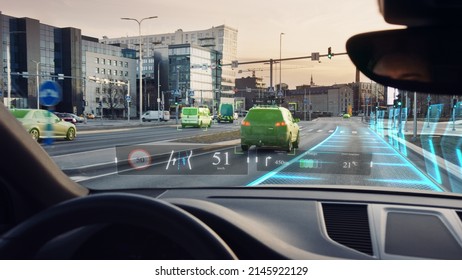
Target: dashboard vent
[(348, 224)]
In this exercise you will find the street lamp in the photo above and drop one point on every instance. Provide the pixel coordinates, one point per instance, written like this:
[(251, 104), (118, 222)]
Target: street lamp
[(158, 91), (140, 61), (158, 79), (280, 63), (37, 81)]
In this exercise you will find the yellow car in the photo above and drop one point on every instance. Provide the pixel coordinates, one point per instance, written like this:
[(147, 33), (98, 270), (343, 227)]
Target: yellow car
[(38, 122)]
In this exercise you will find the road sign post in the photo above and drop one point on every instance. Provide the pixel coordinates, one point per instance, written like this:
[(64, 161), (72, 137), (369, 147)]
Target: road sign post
[(49, 95), (128, 99)]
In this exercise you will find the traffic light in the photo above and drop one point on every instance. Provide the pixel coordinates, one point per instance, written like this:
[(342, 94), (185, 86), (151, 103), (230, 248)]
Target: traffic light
[(329, 53), (377, 105), (454, 103), (176, 100)]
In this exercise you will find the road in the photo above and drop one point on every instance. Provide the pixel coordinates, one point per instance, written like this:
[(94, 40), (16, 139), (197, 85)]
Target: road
[(332, 151), (102, 137)]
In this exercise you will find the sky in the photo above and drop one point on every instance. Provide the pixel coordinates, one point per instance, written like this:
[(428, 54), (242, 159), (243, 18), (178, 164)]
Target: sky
[(308, 26)]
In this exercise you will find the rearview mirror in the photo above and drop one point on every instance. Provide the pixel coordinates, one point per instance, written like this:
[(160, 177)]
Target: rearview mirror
[(422, 59)]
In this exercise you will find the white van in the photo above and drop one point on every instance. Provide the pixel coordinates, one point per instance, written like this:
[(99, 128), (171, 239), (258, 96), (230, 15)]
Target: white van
[(196, 117), (154, 116)]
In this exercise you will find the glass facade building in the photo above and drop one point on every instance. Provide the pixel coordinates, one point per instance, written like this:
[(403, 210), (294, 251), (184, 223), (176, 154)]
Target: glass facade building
[(221, 39), (33, 52), (191, 77)]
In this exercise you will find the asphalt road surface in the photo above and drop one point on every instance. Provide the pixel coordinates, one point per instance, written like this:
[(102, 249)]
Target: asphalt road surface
[(332, 151)]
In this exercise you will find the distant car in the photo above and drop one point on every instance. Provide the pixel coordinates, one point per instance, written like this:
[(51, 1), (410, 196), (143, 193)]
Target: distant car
[(154, 116), (78, 118), (67, 117), (36, 122), (242, 113), (346, 116), (90, 116), (235, 116), (270, 126)]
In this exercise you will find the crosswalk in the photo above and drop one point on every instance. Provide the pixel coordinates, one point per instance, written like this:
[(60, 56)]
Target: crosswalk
[(330, 131)]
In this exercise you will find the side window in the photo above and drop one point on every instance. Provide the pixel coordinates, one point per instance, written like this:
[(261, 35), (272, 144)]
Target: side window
[(39, 115), (289, 116), (286, 116)]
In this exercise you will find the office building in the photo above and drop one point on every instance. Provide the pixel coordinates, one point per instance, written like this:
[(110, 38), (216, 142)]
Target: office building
[(222, 39), (33, 52)]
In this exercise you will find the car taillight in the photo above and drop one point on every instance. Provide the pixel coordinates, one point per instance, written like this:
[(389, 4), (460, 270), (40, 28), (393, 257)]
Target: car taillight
[(245, 123), (280, 124)]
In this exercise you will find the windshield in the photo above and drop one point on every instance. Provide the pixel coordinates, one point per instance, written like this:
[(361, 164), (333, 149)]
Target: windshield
[(346, 131), (189, 111), (226, 109)]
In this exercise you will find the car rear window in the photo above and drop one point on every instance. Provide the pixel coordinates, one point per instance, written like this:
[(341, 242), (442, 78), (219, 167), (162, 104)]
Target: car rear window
[(226, 109), (19, 113), (189, 111), (264, 115)]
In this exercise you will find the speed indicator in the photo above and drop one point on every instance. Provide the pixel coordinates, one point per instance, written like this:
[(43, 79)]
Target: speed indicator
[(139, 159)]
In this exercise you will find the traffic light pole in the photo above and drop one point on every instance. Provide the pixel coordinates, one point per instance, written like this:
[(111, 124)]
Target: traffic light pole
[(271, 61)]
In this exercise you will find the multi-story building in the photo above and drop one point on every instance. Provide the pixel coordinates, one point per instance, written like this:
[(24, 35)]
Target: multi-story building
[(321, 100), (190, 76), (370, 94), (110, 78), (222, 39), (33, 52), (248, 90)]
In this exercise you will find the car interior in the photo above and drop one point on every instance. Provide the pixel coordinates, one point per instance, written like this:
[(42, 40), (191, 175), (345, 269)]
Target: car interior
[(44, 214)]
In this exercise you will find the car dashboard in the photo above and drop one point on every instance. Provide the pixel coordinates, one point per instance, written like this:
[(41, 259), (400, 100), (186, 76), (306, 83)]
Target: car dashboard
[(268, 223)]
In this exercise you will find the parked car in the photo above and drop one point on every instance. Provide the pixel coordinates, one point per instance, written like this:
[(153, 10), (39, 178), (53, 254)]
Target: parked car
[(269, 126), (68, 117), (40, 123)]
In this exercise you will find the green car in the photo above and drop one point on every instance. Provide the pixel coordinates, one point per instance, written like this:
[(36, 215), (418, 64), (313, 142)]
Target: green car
[(270, 127), (36, 122)]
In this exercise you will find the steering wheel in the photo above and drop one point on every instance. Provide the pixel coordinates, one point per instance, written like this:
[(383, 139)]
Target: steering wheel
[(26, 239)]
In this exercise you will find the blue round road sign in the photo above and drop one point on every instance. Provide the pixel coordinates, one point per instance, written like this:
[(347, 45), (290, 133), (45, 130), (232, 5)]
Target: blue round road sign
[(50, 93)]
